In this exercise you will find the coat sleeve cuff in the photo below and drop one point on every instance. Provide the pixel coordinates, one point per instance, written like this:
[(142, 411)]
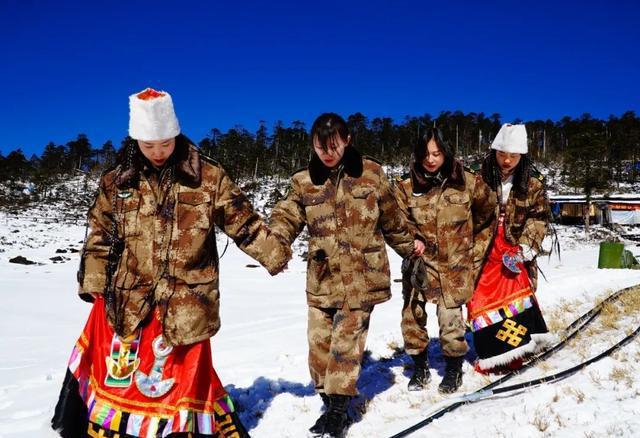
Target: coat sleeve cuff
[(420, 238), (87, 297)]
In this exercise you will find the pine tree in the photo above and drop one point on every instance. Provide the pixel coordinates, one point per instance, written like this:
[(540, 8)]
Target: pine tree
[(79, 154)]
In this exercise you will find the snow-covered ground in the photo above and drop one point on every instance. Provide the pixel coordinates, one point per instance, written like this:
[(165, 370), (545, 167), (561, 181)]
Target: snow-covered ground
[(261, 351)]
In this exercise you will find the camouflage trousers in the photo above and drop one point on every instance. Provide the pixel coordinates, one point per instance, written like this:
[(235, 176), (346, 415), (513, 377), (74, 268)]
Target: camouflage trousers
[(414, 320), (336, 345)]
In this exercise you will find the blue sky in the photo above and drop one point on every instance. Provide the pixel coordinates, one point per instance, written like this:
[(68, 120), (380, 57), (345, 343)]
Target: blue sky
[(68, 67)]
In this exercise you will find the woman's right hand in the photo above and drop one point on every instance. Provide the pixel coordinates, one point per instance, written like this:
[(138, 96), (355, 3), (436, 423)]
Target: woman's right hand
[(418, 247)]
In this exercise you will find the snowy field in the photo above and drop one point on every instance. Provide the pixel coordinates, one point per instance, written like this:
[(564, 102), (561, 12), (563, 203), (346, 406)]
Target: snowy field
[(261, 351)]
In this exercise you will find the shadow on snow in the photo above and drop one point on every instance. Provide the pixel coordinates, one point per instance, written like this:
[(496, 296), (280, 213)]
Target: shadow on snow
[(375, 378)]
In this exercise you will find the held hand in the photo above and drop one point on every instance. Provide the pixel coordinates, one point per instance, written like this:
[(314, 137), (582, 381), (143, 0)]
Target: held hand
[(527, 252), (280, 269), (418, 247)]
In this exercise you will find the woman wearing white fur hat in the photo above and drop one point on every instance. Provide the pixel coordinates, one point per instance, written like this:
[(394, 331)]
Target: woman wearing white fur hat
[(503, 313), (142, 366)]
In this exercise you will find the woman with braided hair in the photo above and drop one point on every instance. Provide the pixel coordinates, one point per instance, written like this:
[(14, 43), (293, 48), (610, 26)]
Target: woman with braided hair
[(503, 313), (142, 366)]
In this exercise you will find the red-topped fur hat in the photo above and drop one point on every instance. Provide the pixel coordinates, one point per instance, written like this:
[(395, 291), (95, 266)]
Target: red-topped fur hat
[(151, 116)]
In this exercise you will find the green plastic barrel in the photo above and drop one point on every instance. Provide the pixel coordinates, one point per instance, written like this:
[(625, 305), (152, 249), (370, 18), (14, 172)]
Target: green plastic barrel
[(610, 255)]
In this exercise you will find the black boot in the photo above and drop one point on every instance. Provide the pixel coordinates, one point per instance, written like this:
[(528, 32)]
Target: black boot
[(337, 421), (452, 375), (421, 375), (318, 428)]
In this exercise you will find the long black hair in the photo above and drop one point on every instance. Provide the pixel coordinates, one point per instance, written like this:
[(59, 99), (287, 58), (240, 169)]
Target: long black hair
[(493, 177), (420, 150)]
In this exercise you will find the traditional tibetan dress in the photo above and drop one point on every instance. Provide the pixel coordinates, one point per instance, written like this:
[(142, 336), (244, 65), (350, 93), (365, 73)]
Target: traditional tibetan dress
[(142, 387), (503, 314)]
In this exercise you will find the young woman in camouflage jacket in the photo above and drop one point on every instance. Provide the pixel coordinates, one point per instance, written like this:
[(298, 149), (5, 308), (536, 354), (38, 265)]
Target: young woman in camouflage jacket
[(451, 209), (346, 203), (142, 366), (503, 314)]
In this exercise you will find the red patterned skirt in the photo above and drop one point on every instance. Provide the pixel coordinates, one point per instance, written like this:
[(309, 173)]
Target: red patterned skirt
[(503, 313), (141, 387)]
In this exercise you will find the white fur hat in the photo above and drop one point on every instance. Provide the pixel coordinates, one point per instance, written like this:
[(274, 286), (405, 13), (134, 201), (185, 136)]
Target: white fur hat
[(151, 116), (511, 139)]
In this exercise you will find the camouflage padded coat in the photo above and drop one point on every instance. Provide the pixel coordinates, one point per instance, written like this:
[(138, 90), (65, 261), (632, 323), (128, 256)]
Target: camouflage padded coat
[(167, 256), (454, 219), (350, 212)]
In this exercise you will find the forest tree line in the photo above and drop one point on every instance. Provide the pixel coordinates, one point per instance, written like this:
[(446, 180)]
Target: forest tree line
[(596, 154)]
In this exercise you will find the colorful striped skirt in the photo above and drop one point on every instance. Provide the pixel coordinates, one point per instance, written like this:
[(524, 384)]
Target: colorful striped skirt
[(141, 387), (503, 313)]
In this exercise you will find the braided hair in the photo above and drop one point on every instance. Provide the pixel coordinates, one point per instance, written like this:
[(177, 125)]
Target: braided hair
[(129, 165)]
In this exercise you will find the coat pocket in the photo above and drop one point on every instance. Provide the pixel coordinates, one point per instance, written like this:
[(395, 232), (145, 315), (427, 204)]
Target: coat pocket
[(194, 210), (319, 212), (363, 212), (131, 217), (318, 273), (193, 276), (311, 199), (420, 210), (376, 268), (458, 198), (192, 312), (455, 213), (362, 192)]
